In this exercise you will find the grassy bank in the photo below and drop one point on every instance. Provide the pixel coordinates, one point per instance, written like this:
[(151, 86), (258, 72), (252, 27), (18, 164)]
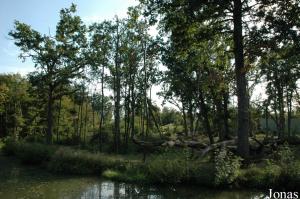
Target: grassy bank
[(170, 167)]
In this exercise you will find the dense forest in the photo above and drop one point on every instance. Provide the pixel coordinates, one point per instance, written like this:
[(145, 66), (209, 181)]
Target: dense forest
[(92, 92)]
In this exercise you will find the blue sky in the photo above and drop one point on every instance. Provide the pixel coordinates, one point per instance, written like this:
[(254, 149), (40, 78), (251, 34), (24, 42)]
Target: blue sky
[(43, 16)]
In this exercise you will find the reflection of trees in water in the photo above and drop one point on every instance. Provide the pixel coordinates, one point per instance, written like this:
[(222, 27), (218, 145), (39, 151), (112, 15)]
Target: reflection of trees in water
[(105, 190)]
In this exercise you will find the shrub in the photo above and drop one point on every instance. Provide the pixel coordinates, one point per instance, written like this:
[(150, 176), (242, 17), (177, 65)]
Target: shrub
[(170, 167), (227, 167), (203, 174), (34, 153), (260, 177), (162, 169), (66, 160), (290, 176), (285, 156), (28, 153), (9, 147)]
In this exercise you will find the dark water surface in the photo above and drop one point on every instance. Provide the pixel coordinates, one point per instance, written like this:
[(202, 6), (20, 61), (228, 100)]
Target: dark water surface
[(22, 182)]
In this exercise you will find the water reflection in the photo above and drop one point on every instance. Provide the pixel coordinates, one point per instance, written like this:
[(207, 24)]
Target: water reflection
[(122, 190)]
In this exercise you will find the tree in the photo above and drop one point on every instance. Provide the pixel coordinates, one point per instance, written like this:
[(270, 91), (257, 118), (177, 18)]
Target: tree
[(58, 59)]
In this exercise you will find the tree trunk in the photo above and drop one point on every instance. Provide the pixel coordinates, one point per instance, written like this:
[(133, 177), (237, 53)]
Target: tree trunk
[(184, 120), (289, 109), (58, 120), (132, 105), (85, 120), (241, 82), (50, 116), (118, 97), (102, 109), (226, 114), (220, 118), (191, 118), (205, 118)]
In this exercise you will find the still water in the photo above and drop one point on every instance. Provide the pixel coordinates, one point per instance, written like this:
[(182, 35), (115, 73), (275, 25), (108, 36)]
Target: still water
[(19, 182)]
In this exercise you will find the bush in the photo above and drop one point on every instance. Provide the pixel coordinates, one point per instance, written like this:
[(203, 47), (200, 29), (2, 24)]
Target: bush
[(290, 176), (171, 167), (290, 169), (285, 156), (66, 160), (34, 153), (28, 153), (227, 167), (260, 177), (9, 147), (203, 174)]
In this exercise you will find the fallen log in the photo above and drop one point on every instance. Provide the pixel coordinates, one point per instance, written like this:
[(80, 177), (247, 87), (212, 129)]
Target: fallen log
[(148, 144), (222, 144), (203, 149)]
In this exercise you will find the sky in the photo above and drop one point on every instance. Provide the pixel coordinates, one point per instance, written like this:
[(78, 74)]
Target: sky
[(43, 16)]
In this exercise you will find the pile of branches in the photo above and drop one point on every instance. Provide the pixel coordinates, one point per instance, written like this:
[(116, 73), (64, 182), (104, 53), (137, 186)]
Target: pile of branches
[(257, 148)]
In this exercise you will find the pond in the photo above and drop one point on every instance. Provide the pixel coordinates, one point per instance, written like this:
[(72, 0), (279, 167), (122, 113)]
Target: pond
[(26, 182)]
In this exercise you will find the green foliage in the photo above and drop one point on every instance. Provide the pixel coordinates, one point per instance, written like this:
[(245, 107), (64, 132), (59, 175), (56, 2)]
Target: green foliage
[(271, 175), (129, 175), (227, 167), (162, 168), (285, 156), (66, 160), (34, 153), (111, 174), (203, 173), (10, 147), (170, 167), (290, 168), (170, 116), (260, 177), (28, 153)]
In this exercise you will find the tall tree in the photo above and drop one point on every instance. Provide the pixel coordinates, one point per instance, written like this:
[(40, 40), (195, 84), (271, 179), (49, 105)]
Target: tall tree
[(58, 59)]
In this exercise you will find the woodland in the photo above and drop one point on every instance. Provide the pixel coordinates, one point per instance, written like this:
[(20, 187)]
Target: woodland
[(89, 106)]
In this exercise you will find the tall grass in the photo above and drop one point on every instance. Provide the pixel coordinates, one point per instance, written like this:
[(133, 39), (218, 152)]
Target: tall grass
[(28, 153), (66, 160)]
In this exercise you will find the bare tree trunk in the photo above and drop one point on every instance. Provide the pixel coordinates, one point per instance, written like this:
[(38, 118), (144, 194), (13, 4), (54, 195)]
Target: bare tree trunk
[(50, 116), (205, 118), (191, 118), (132, 105), (184, 120), (267, 119), (81, 116), (226, 114), (241, 82), (220, 119), (102, 110), (58, 120), (289, 110), (85, 120), (281, 112), (118, 96)]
